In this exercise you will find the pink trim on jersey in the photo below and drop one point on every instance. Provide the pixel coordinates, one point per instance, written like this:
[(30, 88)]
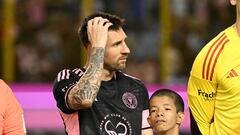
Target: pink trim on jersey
[(81, 73), (64, 74), (131, 76), (71, 123), (59, 76), (145, 114), (66, 96), (78, 71)]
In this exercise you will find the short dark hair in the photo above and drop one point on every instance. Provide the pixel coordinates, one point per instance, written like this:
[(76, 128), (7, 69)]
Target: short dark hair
[(114, 19), (178, 101)]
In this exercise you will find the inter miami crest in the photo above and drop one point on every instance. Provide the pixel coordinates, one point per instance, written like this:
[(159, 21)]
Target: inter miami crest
[(129, 100)]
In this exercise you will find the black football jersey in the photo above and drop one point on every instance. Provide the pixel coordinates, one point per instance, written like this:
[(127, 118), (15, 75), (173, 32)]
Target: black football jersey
[(120, 107)]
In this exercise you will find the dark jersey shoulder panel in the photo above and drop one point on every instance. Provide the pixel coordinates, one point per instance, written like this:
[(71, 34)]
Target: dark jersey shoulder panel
[(134, 84), (64, 81)]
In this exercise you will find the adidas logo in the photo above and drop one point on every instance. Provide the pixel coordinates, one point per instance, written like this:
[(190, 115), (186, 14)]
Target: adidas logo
[(232, 73)]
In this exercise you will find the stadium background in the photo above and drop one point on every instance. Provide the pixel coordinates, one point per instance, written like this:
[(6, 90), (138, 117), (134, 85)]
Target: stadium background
[(39, 38)]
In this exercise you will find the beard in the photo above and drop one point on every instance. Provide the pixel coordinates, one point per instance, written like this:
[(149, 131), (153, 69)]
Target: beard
[(115, 66)]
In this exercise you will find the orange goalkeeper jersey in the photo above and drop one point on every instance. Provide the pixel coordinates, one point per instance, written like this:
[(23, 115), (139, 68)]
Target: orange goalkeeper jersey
[(11, 113)]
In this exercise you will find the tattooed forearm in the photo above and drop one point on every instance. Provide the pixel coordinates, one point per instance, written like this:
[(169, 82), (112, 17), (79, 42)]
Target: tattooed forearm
[(84, 93), (81, 95), (98, 57), (96, 62)]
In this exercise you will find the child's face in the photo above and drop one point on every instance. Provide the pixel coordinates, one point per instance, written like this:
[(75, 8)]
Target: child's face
[(163, 115)]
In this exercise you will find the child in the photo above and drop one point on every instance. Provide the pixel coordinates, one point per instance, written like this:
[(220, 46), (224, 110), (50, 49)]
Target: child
[(166, 112)]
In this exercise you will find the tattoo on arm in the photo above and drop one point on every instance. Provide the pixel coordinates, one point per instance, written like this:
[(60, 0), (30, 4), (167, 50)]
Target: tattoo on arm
[(88, 86)]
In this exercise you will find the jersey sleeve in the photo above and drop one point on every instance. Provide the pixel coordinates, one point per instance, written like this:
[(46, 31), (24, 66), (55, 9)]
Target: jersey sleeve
[(12, 120), (65, 80), (145, 112), (201, 97), (145, 98)]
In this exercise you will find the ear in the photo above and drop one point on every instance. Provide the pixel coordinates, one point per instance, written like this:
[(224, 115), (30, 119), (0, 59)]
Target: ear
[(233, 2), (180, 117), (149, 121)]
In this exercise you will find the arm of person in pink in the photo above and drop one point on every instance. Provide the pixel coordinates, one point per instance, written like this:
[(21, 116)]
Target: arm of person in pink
[(11, 113)]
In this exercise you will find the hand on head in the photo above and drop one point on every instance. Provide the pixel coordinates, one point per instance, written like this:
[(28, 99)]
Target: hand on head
[(97, 29)]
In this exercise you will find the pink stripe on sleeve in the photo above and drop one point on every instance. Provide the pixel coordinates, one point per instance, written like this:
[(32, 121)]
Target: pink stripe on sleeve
[(71, 123), (145, 114)]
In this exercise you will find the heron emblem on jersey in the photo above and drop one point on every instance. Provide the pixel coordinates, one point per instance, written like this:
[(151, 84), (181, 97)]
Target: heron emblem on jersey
[(129, 100), (115, 124)]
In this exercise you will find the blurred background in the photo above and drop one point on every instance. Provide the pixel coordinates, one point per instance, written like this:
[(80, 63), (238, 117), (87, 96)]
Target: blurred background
[(39, 38)]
